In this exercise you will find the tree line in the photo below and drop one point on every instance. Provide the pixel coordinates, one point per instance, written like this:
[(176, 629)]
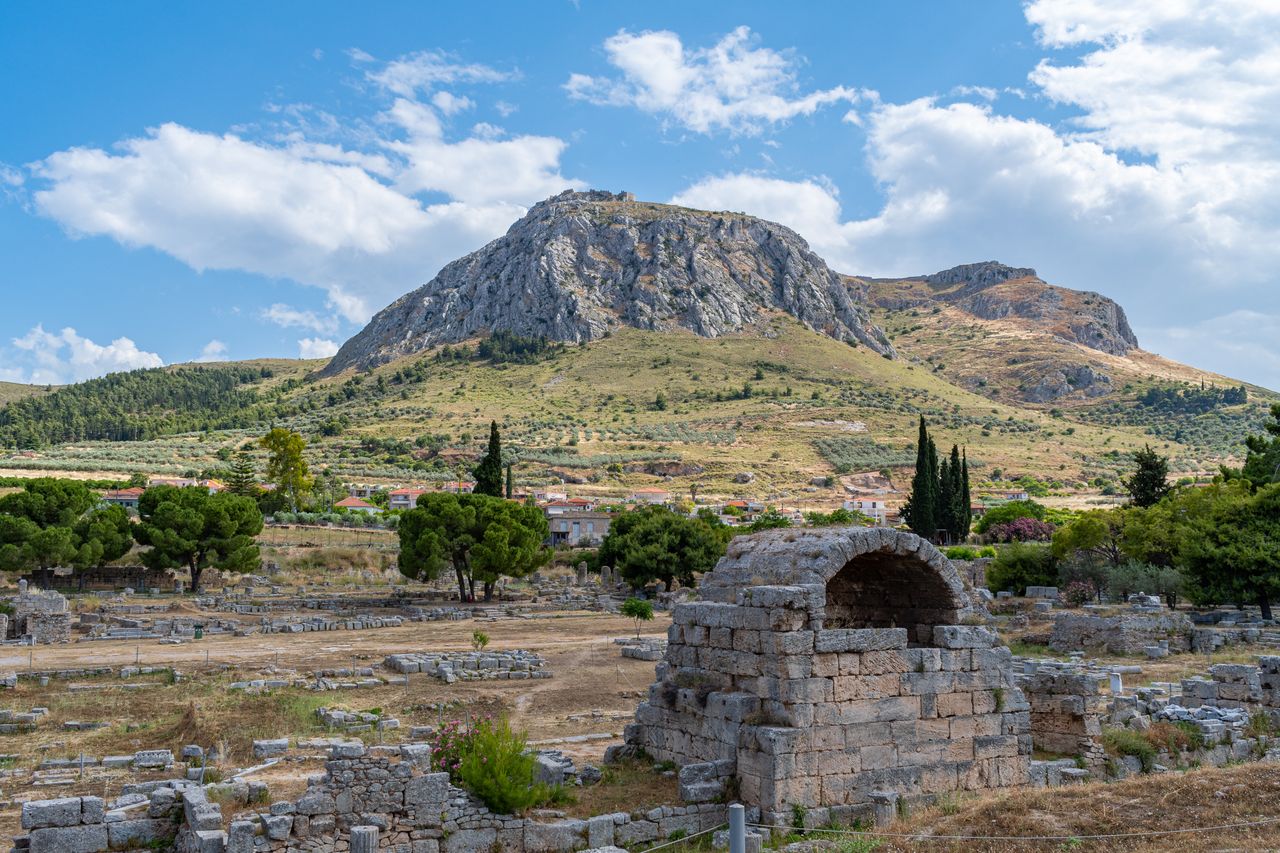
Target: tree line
[(1216, 543), (939, 503), (52, 523), (139, 405)]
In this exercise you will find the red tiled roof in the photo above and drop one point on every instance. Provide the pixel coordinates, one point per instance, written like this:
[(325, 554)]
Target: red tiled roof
[(354, 503)]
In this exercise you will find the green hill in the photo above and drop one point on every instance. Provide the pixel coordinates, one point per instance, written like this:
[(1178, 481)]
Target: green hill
[(782, 404)]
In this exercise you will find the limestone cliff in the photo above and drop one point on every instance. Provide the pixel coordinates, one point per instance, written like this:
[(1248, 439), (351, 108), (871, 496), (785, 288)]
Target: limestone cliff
[(993, 291), (581, 263)]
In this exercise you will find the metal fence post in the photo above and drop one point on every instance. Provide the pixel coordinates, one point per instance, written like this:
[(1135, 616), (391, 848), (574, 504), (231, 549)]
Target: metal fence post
[(737, 828)]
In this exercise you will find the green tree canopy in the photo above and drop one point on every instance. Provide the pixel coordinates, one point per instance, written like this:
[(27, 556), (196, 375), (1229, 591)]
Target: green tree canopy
[(488, 474), (1262, 464), (1006, 512), (193, 529), (921, 508), (1097, 534), (656, 544), (102, 535), (1149, 482), (480, 537), (286, 466), (49, 502), (1231, 548)]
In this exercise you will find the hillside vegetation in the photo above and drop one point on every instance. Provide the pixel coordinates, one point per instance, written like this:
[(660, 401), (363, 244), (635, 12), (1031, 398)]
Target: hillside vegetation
[(786, 405)]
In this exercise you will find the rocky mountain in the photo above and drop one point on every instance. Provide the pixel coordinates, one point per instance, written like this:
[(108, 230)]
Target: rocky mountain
[(580, 264), (992, 291)]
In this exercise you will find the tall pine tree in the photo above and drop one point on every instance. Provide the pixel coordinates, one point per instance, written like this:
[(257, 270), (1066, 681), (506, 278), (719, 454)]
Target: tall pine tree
[(243, 479), (488, 473)]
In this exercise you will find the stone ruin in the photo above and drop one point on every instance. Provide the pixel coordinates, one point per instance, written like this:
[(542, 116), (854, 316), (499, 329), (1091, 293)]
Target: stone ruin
[(829, 670), (40, 616)]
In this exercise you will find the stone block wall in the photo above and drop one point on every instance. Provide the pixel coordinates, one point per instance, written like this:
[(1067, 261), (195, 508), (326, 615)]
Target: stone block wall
[(823, 717), (1066, 714), (1126, 634)]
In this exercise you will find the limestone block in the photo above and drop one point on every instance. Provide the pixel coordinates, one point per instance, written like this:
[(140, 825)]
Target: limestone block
[(471, 841), (555, 837), (964, 637), (43, 813), (860, 639), (142, 832), (600, 831), (881, 662), (69, 839)]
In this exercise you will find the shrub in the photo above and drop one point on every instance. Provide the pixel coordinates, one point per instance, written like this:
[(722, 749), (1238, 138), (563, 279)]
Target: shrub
[(639, 610), (1180, 736), (1128, 742), (1010, 511), (1020, 565), (1021, 530), (1077, 593), (479, 639), (961, 552), (498, 770), (986, 551)]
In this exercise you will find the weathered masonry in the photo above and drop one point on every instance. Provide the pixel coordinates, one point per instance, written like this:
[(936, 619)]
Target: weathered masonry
[(829, 668)]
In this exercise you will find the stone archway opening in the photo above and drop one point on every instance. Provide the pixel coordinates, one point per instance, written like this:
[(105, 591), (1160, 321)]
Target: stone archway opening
[(885, 590)]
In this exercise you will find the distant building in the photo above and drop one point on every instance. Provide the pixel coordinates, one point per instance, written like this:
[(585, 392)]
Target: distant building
[(357, 505), (459, 487), (362, 490), (872, 508), (127, 498), (579, 528), (653, 496), (186, 482), (404, 498)]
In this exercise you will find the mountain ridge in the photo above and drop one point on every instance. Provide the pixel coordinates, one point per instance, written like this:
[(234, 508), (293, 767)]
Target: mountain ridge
[(581, 264)]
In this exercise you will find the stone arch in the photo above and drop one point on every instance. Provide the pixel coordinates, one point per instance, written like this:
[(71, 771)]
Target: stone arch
[(871, 577), (887, 590)]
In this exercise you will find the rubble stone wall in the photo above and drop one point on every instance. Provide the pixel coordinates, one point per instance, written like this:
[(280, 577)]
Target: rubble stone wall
[(1126, 634)]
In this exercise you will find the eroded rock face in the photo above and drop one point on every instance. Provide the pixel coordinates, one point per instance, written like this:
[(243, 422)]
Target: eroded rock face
[(581, 263), (993, 291)]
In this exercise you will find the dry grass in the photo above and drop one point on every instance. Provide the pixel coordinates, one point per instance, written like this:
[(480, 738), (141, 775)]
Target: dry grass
[(1197, 798), (627, 786)]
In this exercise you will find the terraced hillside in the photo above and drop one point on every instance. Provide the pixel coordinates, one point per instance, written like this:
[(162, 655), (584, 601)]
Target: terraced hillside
[(783, 404)]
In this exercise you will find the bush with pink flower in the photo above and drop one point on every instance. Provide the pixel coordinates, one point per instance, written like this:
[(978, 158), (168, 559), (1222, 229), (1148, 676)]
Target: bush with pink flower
[(1021, 530), (492, 762), (1079, 592)]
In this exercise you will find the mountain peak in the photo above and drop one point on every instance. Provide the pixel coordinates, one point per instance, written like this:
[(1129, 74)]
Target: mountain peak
[(977, 276), (582, 262)]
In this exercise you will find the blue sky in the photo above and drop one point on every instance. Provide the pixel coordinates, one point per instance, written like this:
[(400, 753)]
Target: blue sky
[(241, 180)]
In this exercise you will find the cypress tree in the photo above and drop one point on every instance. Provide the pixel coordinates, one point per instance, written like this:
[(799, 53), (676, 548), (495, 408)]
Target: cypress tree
[(488, 473), (510, 482), (920, 510), (945, 514), (966, 513)]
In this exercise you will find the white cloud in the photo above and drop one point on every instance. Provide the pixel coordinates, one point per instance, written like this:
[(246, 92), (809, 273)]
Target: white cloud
[(732, 85), (1223, 344), (424, 70), (342, 212), (1163, 192), (286, 316), (44, 358), (316, 348), (449, 103), (215, 350)]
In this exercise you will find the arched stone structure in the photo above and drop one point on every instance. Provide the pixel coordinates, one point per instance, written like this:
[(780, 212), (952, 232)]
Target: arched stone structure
[(821, 665)]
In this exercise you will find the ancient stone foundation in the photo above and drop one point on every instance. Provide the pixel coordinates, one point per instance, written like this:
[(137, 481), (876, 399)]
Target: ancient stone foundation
[(825, 667), (1127, 634)]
